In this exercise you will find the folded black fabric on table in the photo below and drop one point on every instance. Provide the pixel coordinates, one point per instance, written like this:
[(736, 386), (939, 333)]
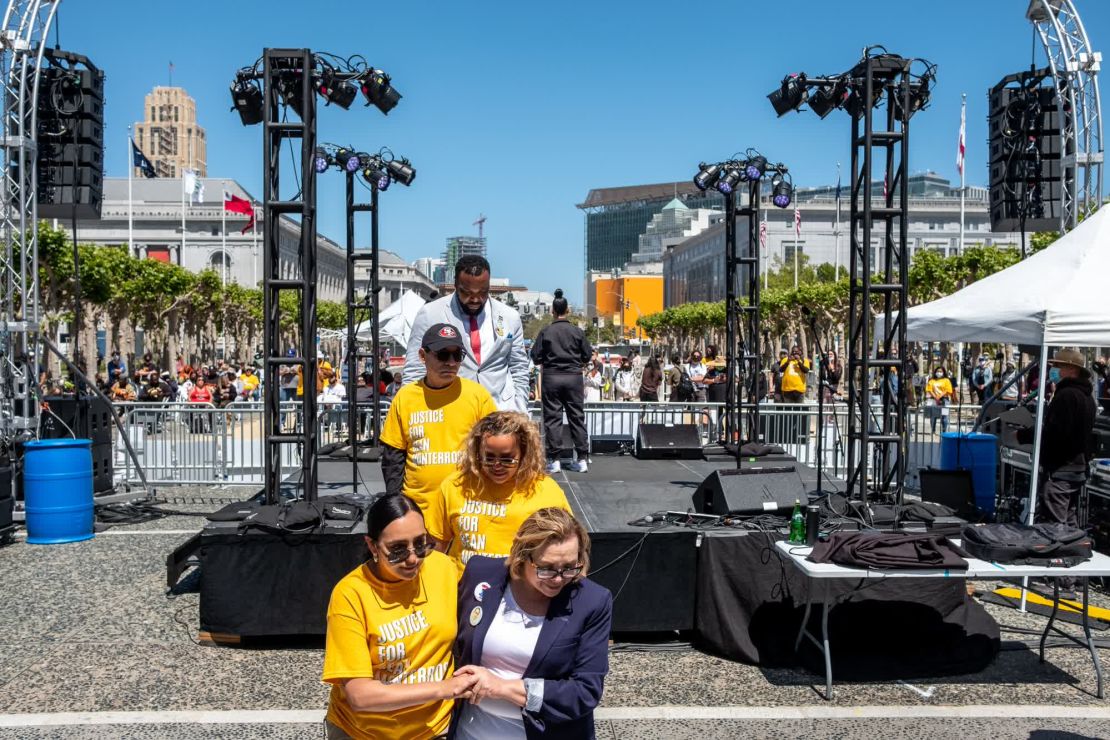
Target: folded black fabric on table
[(889, 550)]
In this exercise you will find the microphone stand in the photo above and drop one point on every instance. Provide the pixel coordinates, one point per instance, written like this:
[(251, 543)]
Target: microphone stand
[(821, 369)]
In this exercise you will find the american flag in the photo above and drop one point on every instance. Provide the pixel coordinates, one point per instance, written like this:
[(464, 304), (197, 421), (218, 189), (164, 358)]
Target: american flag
[(763, 234), (797, 222), (961, 147)]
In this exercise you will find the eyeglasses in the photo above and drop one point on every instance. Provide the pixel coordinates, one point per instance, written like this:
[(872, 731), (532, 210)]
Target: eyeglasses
[(550, 574), (443, 355), (496, 461), (399, 553)]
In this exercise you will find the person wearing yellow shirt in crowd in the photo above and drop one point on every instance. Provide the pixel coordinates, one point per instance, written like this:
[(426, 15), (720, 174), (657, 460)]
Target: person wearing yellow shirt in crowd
[(250, 383), (794, 370), (938, 395), (428, 420), (500, 483), (391, 627), (324, 372)]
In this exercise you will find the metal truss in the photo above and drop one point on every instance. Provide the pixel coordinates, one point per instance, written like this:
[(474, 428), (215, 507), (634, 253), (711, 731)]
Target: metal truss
[(1075, 68), (26, 26)]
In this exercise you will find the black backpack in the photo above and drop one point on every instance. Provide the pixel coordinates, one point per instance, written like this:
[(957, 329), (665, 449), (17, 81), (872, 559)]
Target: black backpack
[(1046, 544), (684, 391)]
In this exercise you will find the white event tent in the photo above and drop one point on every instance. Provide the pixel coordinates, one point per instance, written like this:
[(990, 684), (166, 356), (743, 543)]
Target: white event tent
[(1054, 298), (395, 322)]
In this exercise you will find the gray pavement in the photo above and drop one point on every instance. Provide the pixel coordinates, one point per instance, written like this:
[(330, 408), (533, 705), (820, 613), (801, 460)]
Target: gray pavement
[(88, 627)]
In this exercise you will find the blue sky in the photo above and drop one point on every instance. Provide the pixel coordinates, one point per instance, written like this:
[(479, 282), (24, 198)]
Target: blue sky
[(516, 109)]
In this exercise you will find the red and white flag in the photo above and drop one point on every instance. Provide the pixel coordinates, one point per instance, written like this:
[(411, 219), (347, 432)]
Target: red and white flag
[(961, 147), (235, 204), (797, 222), (763, 234)]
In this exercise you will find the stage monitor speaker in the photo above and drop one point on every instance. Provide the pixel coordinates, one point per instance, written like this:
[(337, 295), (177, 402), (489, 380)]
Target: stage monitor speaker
[(7, 498), (668, 442), (750, 491)]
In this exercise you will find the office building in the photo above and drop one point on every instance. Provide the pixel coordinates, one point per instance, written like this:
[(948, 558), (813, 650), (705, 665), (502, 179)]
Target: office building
[(461, 246), (395, 277), (170, 137)]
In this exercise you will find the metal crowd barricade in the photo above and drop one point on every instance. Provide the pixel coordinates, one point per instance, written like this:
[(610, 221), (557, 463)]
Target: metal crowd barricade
[(188, 443)]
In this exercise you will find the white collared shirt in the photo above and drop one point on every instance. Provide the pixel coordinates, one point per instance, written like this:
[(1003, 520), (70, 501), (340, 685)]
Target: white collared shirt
[(486, 329)]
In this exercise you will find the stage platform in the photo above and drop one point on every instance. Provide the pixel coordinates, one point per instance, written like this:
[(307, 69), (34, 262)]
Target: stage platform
[(649, 567)]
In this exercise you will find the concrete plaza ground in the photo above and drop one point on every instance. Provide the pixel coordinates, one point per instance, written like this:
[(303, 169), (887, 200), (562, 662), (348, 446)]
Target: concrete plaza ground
[(91, 646)]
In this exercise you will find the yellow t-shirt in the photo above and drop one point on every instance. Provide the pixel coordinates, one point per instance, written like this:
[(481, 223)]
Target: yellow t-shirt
[(250, 382), (793, 380), (323, 367), (394, 633), (431, 426), (939, 386), (485, 524)]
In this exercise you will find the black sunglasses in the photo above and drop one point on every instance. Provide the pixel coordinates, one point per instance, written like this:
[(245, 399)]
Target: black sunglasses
[(399, 553), (443, 355)]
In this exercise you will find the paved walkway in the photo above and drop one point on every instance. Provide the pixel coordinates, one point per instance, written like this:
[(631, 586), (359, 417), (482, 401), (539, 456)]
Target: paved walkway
[(87, 628)]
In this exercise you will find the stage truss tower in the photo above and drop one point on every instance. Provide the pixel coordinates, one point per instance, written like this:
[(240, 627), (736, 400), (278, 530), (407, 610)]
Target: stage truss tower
[(1075, 68), (878, 287), (26, 27)]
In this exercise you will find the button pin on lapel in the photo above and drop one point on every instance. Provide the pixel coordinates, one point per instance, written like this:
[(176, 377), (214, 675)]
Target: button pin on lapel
[(475, 616), (480, 591)]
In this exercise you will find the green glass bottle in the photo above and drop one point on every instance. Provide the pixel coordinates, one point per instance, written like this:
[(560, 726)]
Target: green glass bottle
[(797, 525)]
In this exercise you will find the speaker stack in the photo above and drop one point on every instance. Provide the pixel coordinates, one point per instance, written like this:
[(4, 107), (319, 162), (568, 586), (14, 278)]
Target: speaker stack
[(70, 162), (84, 417)]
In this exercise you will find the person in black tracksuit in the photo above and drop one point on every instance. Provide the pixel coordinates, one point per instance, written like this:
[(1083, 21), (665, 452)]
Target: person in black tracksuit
[(1069, 421), (561, 349)]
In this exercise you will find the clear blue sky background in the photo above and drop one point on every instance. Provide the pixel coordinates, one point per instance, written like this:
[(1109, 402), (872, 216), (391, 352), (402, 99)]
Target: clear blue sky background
[(517, 109)]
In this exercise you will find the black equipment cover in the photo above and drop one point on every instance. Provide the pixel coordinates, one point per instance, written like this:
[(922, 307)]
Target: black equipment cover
[(291, 517), (1047, 544)]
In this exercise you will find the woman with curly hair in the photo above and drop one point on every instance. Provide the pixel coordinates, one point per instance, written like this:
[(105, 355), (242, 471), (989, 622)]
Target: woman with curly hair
[(500, 483)]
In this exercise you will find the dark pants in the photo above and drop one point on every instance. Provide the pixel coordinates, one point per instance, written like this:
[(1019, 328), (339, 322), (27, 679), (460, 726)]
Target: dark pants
[(1059, 503), (564, 392)]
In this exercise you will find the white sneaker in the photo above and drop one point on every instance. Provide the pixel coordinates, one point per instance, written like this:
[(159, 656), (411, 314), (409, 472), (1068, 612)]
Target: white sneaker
[(578, 466), (553, 467)]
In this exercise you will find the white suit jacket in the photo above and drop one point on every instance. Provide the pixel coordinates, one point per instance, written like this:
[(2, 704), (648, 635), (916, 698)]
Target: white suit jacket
[(504, 368)]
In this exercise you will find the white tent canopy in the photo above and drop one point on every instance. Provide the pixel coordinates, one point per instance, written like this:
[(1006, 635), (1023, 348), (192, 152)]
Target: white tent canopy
[(1055, 297), (395, 322)]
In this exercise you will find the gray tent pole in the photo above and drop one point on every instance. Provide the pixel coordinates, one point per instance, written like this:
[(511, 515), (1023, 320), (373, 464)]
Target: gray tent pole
[(1038, 432)]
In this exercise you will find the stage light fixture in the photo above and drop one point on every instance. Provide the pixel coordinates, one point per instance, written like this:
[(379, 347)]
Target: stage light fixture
[(289, 88), (347, 160), (728, 181), (401, 170), (919, 98), (246, 99), (335, 90), (790, 95), (320, 160), (782, 192), (707, 176), (828, 98), (376, 87), (375, 175), (755, 167), (854, 102)]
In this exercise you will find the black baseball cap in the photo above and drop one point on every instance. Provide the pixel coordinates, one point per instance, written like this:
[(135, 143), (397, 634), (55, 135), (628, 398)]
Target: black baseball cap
[(442, 336)]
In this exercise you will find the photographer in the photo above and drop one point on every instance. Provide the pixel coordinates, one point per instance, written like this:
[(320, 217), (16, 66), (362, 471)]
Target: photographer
[(794, 370)]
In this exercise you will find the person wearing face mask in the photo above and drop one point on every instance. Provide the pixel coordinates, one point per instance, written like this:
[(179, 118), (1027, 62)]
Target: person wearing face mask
[(391, 626), (697, 370), (492, 332), (794, 370), (534, 632), (981, 378), (624, 381), (429, 419), (123, 390), (1069, 421), (500, 482), (938, 395)]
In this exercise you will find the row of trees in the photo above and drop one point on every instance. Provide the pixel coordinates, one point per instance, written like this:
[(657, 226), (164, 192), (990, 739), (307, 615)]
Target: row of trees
[(784, 308), (180, 312)]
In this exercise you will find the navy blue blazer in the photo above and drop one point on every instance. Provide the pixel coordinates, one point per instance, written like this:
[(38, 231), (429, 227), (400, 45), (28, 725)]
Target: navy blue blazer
[(572, 653)]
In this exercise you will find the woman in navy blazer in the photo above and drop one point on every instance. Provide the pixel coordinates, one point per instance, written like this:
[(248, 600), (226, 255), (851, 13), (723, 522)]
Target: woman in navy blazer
[(535, 633)]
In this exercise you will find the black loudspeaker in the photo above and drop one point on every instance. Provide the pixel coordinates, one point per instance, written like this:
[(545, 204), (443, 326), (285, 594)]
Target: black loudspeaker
[(102, 468), (7, 499), (750, 491), (87, 417), (668, 442)]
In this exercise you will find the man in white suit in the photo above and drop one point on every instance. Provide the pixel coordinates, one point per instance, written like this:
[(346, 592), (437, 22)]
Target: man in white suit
[(493, 336)]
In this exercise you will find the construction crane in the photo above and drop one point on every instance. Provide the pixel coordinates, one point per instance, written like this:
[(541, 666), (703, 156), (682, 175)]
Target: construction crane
[(480, 223)]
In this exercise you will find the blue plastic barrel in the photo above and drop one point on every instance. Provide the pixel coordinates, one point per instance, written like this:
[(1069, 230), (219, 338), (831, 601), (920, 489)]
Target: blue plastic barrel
[(978, 453), (58, 490)]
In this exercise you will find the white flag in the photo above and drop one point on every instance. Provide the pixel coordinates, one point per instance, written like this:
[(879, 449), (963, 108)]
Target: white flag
[(193, 185), (960, 147)]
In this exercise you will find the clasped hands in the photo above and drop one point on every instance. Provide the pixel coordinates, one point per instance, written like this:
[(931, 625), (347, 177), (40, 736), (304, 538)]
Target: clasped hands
[(474, 683)]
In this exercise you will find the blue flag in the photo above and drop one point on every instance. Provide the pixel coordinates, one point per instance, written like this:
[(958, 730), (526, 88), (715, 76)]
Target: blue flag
[(138, 159)]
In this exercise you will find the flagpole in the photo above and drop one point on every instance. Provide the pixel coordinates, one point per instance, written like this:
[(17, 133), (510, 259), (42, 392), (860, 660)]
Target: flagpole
[(223, 262), (181, 252), (963, 189), (836, 256), (130, 214), (254, 247)]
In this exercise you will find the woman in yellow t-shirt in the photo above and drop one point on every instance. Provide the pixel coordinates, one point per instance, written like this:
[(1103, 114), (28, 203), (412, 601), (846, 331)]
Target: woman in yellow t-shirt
[(391, 626), (938, 395), (500, 483)]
